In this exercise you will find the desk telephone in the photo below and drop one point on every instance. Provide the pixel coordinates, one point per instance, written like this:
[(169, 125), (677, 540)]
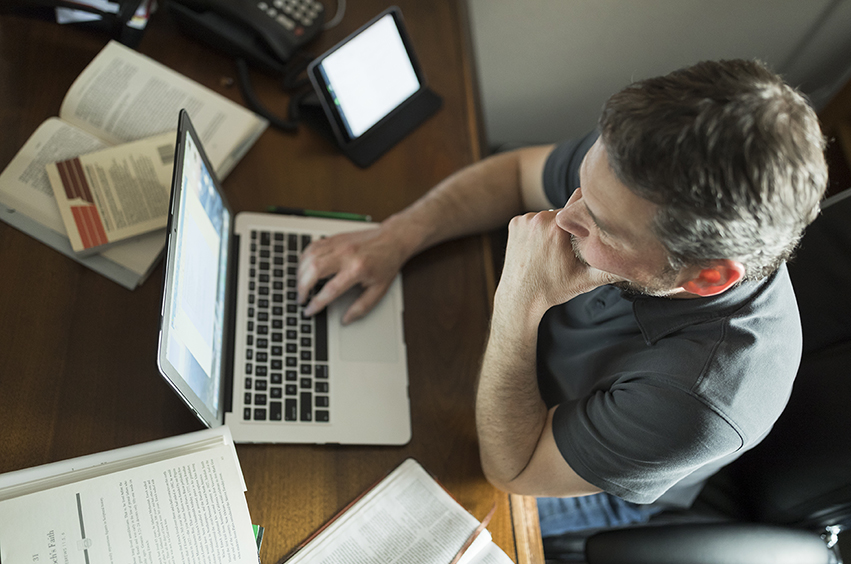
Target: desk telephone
[(266, 33)]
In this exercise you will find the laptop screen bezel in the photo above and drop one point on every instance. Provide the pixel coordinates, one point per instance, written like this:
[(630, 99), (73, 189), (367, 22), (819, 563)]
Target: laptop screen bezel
[(169, 372)]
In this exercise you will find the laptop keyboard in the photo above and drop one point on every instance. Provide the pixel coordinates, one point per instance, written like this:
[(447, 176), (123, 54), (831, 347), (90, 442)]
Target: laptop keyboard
[(286, 353)]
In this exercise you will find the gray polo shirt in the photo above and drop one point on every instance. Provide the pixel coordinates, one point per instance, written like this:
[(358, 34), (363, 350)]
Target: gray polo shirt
[(656, 394)]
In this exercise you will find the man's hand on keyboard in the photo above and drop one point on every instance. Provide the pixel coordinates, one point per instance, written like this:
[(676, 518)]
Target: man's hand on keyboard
[(370, 258)]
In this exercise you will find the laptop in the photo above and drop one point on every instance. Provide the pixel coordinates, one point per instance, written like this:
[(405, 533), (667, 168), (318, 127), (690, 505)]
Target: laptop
[(234, 344)]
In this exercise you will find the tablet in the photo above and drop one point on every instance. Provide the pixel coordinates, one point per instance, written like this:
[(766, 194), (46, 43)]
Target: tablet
[(372, 88)]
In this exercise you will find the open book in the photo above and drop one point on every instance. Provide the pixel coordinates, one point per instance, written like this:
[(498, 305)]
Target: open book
[(178, 500), (116, 194), (407, 518), (121, 96)]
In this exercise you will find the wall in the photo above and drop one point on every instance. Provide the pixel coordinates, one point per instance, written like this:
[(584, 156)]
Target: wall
[(546, 66)]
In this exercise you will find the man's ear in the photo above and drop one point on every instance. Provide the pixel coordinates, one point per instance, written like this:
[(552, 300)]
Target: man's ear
[(715, 278)]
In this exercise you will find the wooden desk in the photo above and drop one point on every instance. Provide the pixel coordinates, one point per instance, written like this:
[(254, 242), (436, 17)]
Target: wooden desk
[(77, 359)]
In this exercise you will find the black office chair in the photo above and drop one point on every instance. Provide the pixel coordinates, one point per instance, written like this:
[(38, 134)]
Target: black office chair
[(786, 500)]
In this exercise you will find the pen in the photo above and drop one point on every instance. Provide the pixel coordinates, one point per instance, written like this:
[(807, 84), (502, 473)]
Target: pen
[(475, 534), (314, 213)]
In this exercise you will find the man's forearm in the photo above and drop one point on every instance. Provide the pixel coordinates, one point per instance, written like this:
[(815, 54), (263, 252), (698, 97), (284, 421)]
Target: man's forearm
[(510, 414), (540, 271), (476, 199)]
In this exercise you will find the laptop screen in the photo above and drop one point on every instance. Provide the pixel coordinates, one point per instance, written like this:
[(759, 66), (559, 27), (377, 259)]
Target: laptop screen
[(196, 276)]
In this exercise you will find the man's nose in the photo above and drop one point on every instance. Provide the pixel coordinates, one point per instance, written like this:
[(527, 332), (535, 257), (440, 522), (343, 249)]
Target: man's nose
[(572, 217)]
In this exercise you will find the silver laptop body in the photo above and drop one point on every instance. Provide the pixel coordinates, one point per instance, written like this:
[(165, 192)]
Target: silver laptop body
[(234, 344)]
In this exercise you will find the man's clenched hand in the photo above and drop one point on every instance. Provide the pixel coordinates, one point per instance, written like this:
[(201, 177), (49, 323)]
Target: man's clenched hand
[(541, 269)]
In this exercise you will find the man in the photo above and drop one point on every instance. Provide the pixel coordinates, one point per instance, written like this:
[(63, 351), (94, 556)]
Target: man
[(646, 333)]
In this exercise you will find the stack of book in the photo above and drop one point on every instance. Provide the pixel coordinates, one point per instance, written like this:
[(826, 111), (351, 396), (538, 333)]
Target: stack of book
[(120, 97)]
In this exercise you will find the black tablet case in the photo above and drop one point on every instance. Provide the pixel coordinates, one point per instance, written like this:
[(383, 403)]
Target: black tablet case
[(376, 141)]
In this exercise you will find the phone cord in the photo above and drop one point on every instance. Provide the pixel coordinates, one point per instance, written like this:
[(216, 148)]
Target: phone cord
[(253, 102)]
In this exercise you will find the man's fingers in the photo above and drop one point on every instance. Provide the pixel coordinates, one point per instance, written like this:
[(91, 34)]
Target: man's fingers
[(314, 265), (333, 289), (307, 277)]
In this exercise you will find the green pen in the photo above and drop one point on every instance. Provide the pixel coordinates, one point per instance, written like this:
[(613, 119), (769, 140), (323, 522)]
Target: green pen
[(314, 213)]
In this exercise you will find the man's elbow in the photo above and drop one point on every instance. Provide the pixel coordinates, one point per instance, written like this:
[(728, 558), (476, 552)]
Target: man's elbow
[(496, 481), (508, 484), (540, 482), (509, 487)]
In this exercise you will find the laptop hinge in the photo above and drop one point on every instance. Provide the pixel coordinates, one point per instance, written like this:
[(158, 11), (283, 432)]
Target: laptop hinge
[(230, 325)]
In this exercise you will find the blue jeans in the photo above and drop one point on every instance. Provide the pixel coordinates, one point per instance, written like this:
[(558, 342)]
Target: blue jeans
[(560, 515)]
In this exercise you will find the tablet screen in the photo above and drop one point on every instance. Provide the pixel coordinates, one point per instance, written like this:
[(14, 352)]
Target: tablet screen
[(369, 76)]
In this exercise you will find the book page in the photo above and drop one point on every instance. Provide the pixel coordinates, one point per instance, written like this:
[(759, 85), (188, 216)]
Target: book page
[(487, 553), (24, 184), (114, 194), (25, 188), (124, 96), (188, 509), (30, 480), (407, 518)]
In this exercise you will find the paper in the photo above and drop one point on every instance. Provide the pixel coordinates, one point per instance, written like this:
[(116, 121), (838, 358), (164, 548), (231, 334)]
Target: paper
[(114, 194), (408, 518), (186, 509), (121, 96)]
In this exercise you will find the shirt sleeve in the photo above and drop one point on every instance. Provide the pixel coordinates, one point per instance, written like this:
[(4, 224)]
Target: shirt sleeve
[(561, 171), (640, 437)]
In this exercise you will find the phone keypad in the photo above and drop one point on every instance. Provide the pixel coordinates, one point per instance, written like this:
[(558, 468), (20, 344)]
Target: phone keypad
[(293, 15)]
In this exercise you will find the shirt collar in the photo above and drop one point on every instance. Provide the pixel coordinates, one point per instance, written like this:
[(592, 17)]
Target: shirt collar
[(659, 317)]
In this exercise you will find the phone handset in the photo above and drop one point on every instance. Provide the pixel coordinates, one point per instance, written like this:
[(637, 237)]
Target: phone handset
[(295, 22), (267, 33)]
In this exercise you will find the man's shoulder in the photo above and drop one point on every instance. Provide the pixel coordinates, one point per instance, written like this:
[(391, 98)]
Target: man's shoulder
[(750, 355), (561, 171)]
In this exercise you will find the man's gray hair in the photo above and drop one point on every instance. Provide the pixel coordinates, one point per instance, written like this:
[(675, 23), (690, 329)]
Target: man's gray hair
[(732, 155)]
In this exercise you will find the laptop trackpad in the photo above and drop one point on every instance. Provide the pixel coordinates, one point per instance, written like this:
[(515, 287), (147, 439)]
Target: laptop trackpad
[(372, 338)]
